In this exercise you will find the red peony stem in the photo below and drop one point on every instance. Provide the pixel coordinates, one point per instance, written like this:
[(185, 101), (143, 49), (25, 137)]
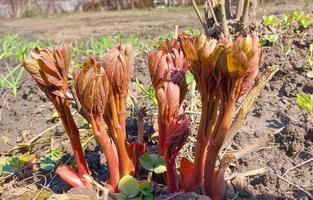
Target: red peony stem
[(171, 175), (102, 137)]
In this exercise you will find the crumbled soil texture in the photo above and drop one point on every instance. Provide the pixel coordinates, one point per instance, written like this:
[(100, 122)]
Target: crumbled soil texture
[(29, 113)]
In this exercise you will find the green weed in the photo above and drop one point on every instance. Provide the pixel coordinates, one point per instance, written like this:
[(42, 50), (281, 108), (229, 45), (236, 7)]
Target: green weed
[(11, 78), (269, 39), (271, 20)]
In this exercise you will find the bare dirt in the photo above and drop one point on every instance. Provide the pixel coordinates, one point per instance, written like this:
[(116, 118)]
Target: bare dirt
[(29, 113)]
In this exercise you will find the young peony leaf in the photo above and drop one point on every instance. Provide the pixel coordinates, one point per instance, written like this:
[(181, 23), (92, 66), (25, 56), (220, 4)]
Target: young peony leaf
[(305, 101), (147, 161), (128, 186), (153, 162)]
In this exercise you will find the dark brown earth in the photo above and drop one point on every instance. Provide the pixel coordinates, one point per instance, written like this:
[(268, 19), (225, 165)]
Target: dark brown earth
[(27, 114)]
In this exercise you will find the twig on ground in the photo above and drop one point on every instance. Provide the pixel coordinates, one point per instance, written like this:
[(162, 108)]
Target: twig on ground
[(176, 194), (70, 197), (298, 187), (106, 192), (34, 138), (298, 165), (247, 174)]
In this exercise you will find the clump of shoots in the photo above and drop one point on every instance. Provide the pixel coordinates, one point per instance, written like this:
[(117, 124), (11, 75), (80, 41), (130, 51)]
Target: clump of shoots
[(167, 69), (49, 68), (224, 70), (118, 65), (92, 90)]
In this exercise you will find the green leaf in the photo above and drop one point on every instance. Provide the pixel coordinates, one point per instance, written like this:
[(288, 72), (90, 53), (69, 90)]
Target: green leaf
[(48, 162), (159, 169), (56, 154), (271, 20), (129, 186), (27, 157), (153, 162), (146, 190), (189, 78), (306, 23), (273, 38), (269, 39), (148, 160), (305, 101)]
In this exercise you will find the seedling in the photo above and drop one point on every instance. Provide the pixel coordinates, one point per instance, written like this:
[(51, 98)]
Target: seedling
[(13, 163), (269, 39), (305, 101), (98, 46), (11, 78), (307, 22), (149, 92), (153, 163), (271, 20), (9, 42)]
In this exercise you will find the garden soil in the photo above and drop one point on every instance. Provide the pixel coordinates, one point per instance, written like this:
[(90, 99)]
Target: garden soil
[(29, 113)]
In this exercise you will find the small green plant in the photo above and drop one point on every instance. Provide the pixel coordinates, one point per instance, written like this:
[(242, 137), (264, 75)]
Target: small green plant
[(48, 162), (149, 92), (294, 16), (269, 39), (307, 22), (130, 188), (162, 38), (271, 20), (192, 32), (11, 78), (310, 73), (152, 163), (98, 46), (305, 102), (8, 45), (11, 164)]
